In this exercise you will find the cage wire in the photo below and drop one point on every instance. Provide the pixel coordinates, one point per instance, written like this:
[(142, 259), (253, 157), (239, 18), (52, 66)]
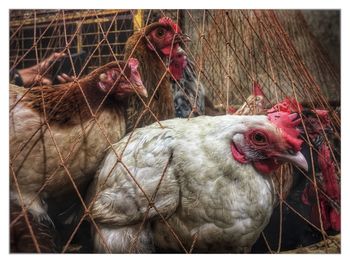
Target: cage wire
[(231, 50)]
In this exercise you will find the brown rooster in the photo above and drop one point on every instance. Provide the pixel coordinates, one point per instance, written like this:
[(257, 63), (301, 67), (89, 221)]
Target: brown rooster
[(59, 134), (154, 46)]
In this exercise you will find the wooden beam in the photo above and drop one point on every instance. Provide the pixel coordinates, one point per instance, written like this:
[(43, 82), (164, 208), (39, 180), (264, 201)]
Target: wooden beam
[(330, 246), (69, 16), (138, 20)]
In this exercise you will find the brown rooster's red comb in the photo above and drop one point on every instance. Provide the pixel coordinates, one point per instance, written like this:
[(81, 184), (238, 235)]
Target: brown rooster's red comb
[(287, 123), (168, 21)]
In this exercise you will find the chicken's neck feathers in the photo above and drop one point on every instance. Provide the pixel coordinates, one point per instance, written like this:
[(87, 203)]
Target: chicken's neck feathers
[(152, 70), (70, 102)]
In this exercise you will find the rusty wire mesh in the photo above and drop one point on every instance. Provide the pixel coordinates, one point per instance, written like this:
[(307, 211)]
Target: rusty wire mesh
[(231, 49)]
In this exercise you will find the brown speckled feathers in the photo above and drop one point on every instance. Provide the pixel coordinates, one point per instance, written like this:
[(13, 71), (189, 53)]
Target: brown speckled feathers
[(64, 103), (21, 239)]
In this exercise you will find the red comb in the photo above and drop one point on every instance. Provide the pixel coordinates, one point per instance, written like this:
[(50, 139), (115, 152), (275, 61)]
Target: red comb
[(287, 123), (324, 117), (257, 91), (168, 21), (133, 64), (288, 105)]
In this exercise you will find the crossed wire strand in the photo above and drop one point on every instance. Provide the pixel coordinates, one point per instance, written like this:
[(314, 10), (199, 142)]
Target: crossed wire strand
[(287, 61)]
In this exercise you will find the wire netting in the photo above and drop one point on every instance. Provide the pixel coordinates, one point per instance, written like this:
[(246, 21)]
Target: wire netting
[(230, 50)]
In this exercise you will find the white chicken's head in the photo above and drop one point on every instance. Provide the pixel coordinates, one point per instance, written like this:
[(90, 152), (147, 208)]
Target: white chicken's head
[(268, 146)]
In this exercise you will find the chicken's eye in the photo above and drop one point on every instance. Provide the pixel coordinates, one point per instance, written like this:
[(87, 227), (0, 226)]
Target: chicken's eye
[(160, 32), (258, 138)]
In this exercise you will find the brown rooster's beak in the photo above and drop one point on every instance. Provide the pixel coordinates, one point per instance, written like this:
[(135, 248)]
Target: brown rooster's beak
[(181, 38), (142, 91), (297, 159)]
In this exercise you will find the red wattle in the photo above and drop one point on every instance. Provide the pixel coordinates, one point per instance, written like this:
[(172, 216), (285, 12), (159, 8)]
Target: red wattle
[(266, 166), (330, 186), (170, 50), (239, 157), (328, 171)]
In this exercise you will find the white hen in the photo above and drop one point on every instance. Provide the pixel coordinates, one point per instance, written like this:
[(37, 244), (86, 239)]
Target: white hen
[(216, 187)]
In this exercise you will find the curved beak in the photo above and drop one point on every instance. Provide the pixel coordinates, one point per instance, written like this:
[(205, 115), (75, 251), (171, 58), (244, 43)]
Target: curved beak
[(142, 91), (297, 159), (181, 37)]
